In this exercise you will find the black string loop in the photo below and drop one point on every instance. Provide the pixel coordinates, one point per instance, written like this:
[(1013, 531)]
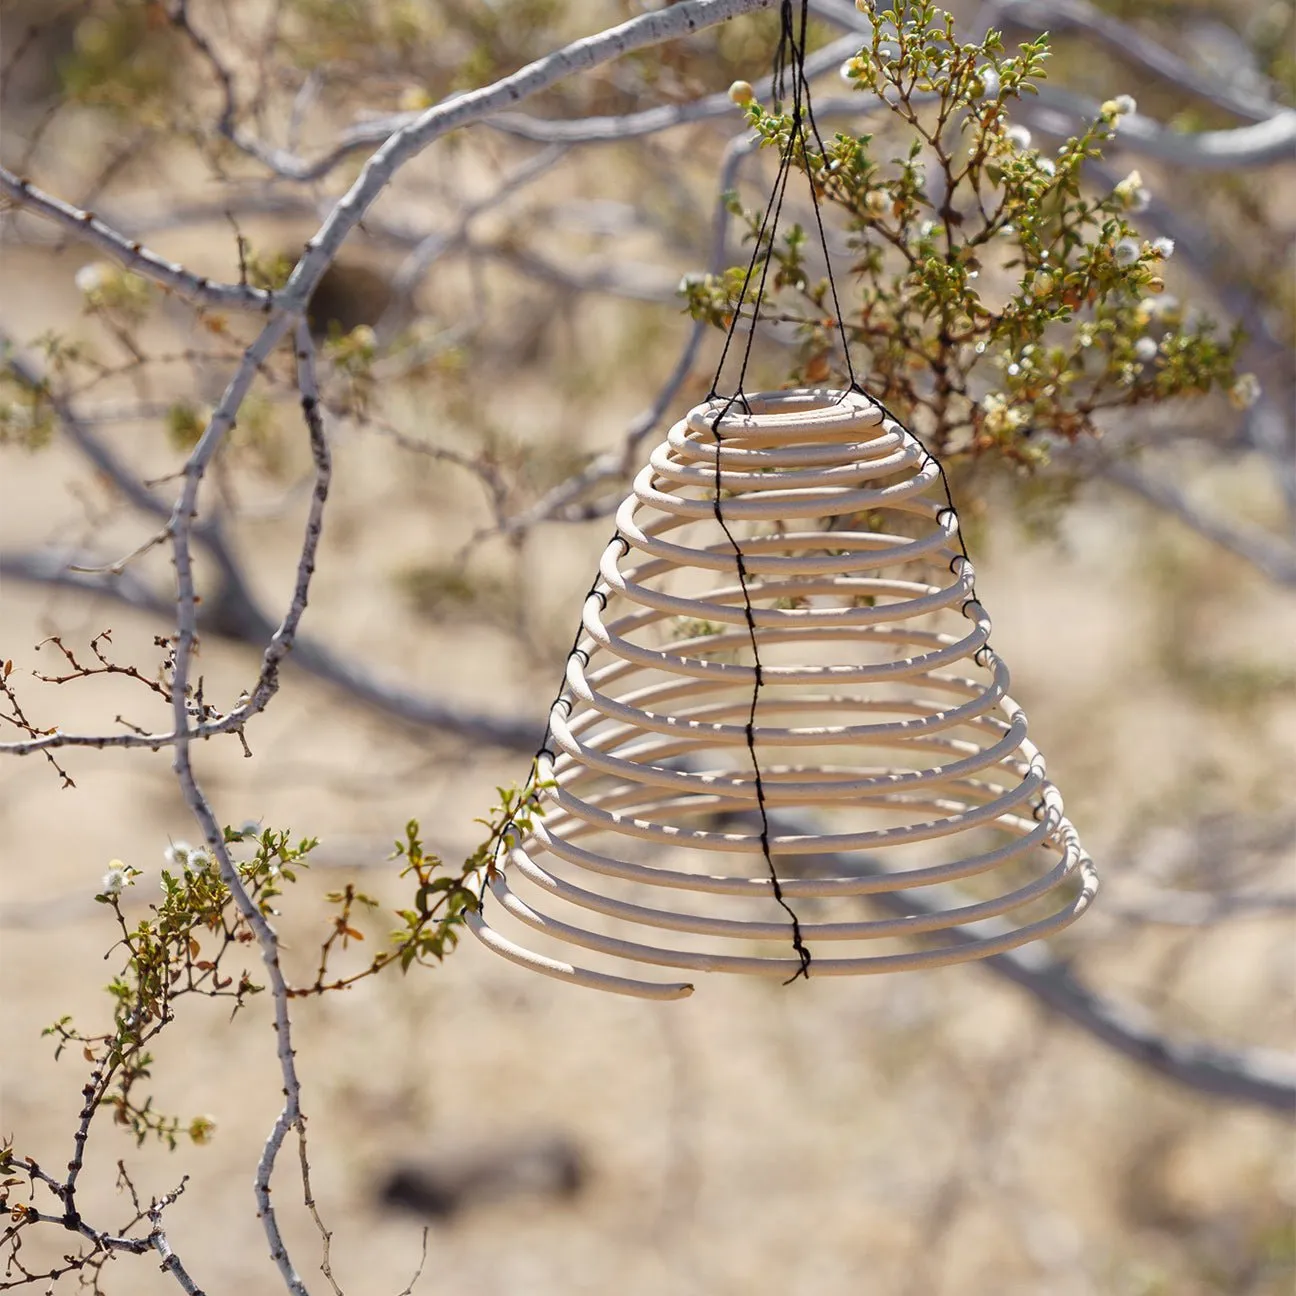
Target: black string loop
[(789, 82)]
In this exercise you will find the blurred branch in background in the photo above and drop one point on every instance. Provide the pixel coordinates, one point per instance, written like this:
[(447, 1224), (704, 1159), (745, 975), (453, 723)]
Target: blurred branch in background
[(466, 294)]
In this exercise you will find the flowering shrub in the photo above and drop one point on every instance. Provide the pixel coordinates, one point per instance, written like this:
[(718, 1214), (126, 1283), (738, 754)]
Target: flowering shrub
[(992, 298)]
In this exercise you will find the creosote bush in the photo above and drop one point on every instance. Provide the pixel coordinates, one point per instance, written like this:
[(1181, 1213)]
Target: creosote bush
[(993, 300)]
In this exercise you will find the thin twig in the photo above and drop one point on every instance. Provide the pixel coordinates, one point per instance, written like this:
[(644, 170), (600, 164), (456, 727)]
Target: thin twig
[(87, 227)]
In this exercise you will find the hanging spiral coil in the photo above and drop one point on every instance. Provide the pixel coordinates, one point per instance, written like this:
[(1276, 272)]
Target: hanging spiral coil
[(784, 703)]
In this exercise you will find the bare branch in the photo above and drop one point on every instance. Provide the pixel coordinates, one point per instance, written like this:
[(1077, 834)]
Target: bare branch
[(616, 464), (651, 121), (162, 1245), (1128, 44), (1268, 554), (88, 228), (1056, 111), (434, 246), (1260, 1077)]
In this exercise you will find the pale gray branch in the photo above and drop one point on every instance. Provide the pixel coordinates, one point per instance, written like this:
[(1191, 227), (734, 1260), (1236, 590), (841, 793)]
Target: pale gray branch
[(1257, 1076), (1130, 45), (615, 465), (1270, 555), (242, 620), (651, 121), (434, 246), (679, 20), (161, 1243), (1057, 112), (1264, 143), (88, 228)]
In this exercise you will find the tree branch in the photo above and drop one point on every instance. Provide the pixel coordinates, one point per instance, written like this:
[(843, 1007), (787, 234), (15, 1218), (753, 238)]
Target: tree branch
[(1269, 555), (1260, 1077), (88, 228), (1056, 112), (1131, 46)]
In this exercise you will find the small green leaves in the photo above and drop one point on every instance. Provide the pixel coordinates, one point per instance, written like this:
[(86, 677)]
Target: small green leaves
[(27, 416), (184, 425), (430, 929), (995, 297)]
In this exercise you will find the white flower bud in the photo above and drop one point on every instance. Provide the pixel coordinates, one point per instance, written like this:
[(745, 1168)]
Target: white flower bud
[(119, 875), (1126, 252), (1245, 391), (1131, 194), (92, 276)]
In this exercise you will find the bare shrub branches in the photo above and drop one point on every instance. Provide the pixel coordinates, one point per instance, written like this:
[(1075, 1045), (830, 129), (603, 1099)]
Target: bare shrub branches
[(272, 354)]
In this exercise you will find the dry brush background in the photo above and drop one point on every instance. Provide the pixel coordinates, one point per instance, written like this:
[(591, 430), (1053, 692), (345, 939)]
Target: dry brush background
[(940, 1133)]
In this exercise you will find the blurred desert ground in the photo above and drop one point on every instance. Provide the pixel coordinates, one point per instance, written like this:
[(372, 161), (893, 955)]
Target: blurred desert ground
[(927, 1134)]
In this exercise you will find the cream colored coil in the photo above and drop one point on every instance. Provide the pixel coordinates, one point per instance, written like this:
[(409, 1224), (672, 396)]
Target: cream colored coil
[(826, 711)]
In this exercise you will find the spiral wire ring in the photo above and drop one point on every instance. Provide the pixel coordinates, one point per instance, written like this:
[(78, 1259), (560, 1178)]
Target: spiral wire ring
[(772, 715)]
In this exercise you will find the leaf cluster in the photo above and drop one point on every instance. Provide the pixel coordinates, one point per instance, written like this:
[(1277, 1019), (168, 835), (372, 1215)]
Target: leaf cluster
[(994, 297)]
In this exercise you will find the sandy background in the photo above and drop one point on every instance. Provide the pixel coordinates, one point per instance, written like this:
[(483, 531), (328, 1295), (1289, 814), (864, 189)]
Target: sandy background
[(928, 1134)]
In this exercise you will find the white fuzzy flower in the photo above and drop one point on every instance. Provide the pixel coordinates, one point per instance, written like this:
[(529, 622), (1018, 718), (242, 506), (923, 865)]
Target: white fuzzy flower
[(1046, 165), (1126, 252), (1245, 391), (177, 854), (92, 277), (1145, 349), (1131, 194), (199, 859), (1164, 307), (1163, 247), (997, 417), (1114, 109), (119, 875), (1018, 136)]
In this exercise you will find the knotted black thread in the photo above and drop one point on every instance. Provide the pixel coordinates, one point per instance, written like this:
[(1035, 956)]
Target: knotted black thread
[(789, 56)]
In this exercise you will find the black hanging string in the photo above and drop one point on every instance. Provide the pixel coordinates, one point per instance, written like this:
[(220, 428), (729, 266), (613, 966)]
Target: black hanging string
[(790, 55), (789, 59)]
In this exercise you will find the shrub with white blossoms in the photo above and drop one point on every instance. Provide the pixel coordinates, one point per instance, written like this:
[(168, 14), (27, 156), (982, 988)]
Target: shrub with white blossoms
[(992, 297), (117, 877)]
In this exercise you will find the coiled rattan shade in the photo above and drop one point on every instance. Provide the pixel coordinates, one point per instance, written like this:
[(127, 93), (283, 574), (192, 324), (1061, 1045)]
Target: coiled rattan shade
[(784, 674)]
